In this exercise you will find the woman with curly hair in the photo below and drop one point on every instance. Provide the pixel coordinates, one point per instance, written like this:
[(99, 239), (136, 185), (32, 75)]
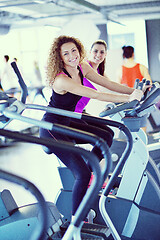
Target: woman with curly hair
[(65, 72)]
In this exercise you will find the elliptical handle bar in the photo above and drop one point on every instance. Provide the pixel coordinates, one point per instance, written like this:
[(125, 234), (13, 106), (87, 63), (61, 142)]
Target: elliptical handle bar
[(40, 229), (150, 100), (119, 108), (136, 83), (141, 84), (21, 82)]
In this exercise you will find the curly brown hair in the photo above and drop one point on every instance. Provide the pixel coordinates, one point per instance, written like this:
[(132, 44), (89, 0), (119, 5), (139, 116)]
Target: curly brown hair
[(55, 63)]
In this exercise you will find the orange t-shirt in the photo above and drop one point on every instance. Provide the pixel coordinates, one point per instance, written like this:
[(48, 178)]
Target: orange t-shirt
[(129, 75)]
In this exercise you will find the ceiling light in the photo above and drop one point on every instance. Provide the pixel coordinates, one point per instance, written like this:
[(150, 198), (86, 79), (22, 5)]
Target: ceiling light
[(39, 1)]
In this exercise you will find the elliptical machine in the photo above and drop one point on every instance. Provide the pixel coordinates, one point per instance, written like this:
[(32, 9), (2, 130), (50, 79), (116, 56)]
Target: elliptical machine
[(136, 202), (138, 194)]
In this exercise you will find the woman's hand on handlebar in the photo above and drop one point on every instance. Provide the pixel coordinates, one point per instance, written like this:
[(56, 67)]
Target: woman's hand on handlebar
[(147, 87), (136, 94)]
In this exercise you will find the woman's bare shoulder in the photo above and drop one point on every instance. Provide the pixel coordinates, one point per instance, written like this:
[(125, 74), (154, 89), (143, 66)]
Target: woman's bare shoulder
[(85, 67), (60, 81)]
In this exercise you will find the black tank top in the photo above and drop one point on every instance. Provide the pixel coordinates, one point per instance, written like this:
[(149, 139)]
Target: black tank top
[(67, 101)]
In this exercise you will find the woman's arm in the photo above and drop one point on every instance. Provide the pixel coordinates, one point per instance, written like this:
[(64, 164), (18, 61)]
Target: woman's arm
[(104, 81), (65, 84), (119, 75), (144, 72)]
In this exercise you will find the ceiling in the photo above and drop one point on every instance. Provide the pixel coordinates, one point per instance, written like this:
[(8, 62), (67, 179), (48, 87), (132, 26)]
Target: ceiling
[(26, 13)]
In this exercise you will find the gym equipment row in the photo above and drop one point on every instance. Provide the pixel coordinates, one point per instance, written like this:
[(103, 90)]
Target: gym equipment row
[(125, 214)]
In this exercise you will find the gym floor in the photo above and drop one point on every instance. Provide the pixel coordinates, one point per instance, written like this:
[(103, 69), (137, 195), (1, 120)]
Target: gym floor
[(29, 161)]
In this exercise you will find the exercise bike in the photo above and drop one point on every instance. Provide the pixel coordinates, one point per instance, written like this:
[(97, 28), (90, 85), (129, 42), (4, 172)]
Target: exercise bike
[(137, 198), (138, 195)]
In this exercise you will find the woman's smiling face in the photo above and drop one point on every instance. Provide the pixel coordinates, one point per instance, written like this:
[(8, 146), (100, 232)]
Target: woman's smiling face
[(98, 53), (70, 54)]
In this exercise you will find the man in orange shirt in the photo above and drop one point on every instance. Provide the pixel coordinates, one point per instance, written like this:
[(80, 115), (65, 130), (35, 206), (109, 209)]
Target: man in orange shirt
[(132, 70)]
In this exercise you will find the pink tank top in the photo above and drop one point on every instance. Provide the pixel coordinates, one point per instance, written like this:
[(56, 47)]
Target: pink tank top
[(84, 100)]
